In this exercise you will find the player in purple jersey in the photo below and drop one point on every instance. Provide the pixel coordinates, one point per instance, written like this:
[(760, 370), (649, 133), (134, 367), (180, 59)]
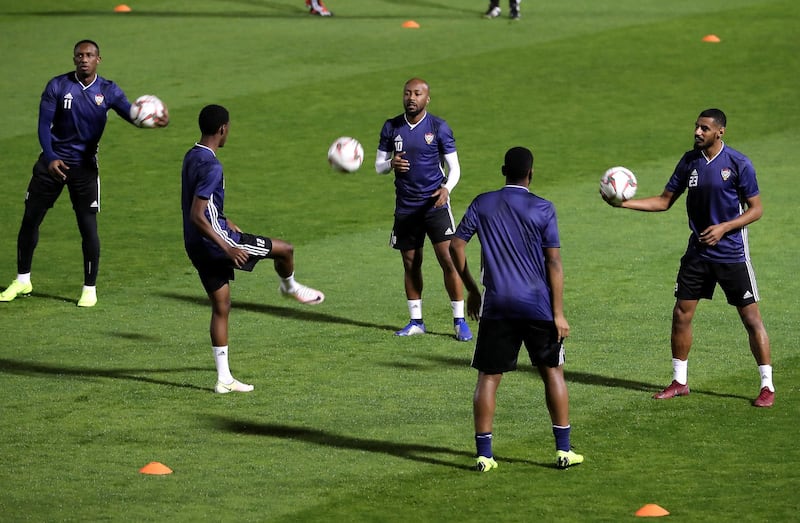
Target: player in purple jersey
[(522, 301), (216, 246), (722, 199), (72, 116), (414, 145)]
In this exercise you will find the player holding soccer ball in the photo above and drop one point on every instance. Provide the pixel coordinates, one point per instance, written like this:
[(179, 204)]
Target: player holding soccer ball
[(414, 145), (216, 246), (722, 199), (72, 116)]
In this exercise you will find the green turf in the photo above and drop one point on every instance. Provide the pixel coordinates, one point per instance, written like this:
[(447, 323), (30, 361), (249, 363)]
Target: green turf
[(347, 422)]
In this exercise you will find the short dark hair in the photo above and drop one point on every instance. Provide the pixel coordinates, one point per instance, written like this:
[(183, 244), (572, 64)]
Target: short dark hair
[(90, 42), (518, 163), (211, 118), (717, 115)]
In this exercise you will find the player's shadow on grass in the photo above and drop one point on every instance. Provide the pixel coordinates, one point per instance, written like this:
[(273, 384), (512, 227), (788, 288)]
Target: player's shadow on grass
[(587, 378), (411, 451), (27, 368), (297, 312)]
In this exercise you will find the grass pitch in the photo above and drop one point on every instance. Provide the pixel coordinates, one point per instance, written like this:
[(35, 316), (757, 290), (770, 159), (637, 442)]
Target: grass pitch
[(347, 422)]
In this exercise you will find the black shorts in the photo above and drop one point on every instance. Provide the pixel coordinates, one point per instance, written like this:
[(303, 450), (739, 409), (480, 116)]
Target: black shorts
[(82, 182), (499, 342), (698, 278), (410, 229), (215, 271)]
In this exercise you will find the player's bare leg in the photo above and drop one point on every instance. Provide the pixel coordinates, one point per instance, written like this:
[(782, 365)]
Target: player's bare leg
[(282, 254)]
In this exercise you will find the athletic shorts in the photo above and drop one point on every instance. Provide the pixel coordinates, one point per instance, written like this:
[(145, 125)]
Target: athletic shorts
[(499, 342), (82, 182), (216, 271), (410, 229), (698, 278)]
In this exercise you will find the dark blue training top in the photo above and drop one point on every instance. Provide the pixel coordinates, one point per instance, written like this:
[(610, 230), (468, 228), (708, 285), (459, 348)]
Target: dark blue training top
[(514, 227), (201, 176), (72, 117), (425, 145), (716, 192)]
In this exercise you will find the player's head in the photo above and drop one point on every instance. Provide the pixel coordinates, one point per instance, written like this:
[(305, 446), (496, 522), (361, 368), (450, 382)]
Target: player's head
[(709, 128), (416, 95), (518, 166), (213, 120), (86, 56)]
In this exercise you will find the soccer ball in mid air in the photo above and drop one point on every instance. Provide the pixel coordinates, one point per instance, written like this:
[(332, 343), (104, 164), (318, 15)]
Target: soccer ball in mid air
[(146, 109), (618, 184), (346, 154)]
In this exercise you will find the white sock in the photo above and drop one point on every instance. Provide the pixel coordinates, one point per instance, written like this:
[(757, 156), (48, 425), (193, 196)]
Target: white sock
[(680, 370), (91, 288), (415, 309), (458, 308), (24, 278), (288, 283), (221, 359), (766, 377)]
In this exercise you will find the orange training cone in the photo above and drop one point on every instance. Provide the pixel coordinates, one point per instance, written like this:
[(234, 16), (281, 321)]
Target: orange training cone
[(410, 24), (155, 468), (122, 8), (651, 510), (714, 39)]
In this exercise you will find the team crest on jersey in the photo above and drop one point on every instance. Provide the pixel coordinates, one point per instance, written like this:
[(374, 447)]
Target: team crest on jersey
[(99, 98), (428, 138), (726, 173)]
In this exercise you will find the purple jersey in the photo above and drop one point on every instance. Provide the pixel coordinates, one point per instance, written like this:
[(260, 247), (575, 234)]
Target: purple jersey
[(716, 192), (514, 227), (72, 117), (202, 176), (425, 145)]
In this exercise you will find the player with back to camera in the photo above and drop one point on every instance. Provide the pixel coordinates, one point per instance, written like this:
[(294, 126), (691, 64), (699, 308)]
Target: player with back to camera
[(216, 246), (73, 112), (722, 199), (522, 302), (414, 145)]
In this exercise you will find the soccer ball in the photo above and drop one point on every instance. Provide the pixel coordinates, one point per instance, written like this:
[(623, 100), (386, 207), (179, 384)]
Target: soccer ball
[(618, 184), (346, 154), (146, 109)]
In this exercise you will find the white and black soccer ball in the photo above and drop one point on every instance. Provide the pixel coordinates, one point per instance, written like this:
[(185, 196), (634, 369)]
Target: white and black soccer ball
[(618, 184), (346, 154), (146, 109)]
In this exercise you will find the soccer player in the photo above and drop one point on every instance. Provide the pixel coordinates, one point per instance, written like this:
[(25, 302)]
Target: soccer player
[(722, 199), (317, 8), (522, 302), (414, 145), (72, 116), (216, 246), (494, 10)]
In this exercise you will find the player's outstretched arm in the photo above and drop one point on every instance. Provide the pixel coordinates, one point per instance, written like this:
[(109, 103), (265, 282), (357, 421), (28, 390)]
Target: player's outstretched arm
[(659, 203)]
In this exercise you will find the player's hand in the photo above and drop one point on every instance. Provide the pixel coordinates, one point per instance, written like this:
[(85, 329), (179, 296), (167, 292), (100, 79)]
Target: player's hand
[(713, 234), (561, 326), (612, 203), (232, 226), (474, 305), (163, 120), (441, 194), (238, 256), (58, 169), (400, 164)]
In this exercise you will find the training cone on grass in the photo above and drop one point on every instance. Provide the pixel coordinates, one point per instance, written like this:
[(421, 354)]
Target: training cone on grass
[(714, 39), (651, 510), (156, 469), (122, 8), (410, 24)]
